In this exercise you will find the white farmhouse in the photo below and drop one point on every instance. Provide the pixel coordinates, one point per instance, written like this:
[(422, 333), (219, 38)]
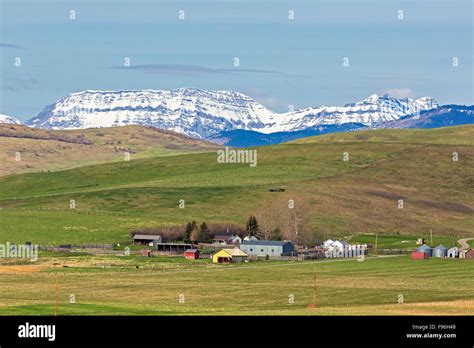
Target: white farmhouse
[(251, 239), (340, 244), (328, 243), (234, 240)]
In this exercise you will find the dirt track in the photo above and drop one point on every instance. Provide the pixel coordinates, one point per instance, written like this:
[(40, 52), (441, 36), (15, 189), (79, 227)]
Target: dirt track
[(464, 244)]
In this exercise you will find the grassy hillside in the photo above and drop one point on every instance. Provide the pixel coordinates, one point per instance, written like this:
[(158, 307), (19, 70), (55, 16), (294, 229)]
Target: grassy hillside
[(460, 135), (402, 242), (113, 285), (346, 197), (51, 150)]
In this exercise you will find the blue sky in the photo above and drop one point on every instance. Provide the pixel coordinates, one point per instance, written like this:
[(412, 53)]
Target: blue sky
[(282, 61)]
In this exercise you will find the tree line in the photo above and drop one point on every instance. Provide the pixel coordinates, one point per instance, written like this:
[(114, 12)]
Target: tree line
[(284, 218)]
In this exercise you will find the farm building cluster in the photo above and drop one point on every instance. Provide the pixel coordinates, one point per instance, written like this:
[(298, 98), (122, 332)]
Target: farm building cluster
[(425, 252), (234, 249)]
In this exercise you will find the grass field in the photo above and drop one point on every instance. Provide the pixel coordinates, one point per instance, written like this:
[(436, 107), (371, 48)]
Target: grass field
[(346, 197), (112, 285), (355, 199)]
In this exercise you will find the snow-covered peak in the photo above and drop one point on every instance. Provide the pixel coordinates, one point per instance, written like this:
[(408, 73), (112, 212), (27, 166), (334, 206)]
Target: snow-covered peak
[(427, 103), (202, 113), (192, 111), (371, 99), (8, 119), (371, 111)]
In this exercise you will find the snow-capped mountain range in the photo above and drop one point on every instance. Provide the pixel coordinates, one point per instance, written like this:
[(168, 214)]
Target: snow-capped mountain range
[(8, 119), (203, 113)]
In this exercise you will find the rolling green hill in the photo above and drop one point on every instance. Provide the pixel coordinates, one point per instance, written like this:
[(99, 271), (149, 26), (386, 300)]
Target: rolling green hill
[(461, 135), (52, 150), (345, 197)]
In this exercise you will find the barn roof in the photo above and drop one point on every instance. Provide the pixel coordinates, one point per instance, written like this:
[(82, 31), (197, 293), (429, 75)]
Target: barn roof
[(252, 238), (191, 250), (234, 252), (265, 242), (342, 242), (234, 237), (222, 237), (147, 236)]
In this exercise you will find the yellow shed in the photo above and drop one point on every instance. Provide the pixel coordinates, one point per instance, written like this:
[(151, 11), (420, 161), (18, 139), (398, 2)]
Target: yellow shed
[(229, 256)]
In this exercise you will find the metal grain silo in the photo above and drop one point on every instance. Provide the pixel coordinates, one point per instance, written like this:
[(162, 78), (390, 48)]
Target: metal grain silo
[(425, 249), (440, 251)]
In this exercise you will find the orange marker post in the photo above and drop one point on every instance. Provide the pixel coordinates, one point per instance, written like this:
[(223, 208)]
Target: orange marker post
[(57, 297), (313, 305)]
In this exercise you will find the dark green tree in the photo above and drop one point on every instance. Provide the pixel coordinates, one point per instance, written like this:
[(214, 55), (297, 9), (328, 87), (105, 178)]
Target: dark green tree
[(187, 233), (252, 227), (277, 234), (204, 233)]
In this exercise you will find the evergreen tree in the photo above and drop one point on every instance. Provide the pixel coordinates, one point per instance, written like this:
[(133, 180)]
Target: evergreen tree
[(277, 234), (252, 227), (204, 233), (187, 233)]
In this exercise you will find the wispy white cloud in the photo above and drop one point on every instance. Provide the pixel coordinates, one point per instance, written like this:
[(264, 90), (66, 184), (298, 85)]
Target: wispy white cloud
[(400, 92), (6, 45), (190, 69)]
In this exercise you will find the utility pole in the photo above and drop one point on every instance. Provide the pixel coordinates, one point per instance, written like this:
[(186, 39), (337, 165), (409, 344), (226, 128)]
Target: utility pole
[(314, 289), (431, 234), (313, 304), (57, 297), (376, 242)]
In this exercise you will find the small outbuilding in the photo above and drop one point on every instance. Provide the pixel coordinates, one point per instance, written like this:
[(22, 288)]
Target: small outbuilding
[(440, 251), (146, 239), (453, 252), (220, 239), (418, 255), (425, 249), (234, 240), (226, 239), (172, 248), (191, 254), (234, 255), (467, 254)]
